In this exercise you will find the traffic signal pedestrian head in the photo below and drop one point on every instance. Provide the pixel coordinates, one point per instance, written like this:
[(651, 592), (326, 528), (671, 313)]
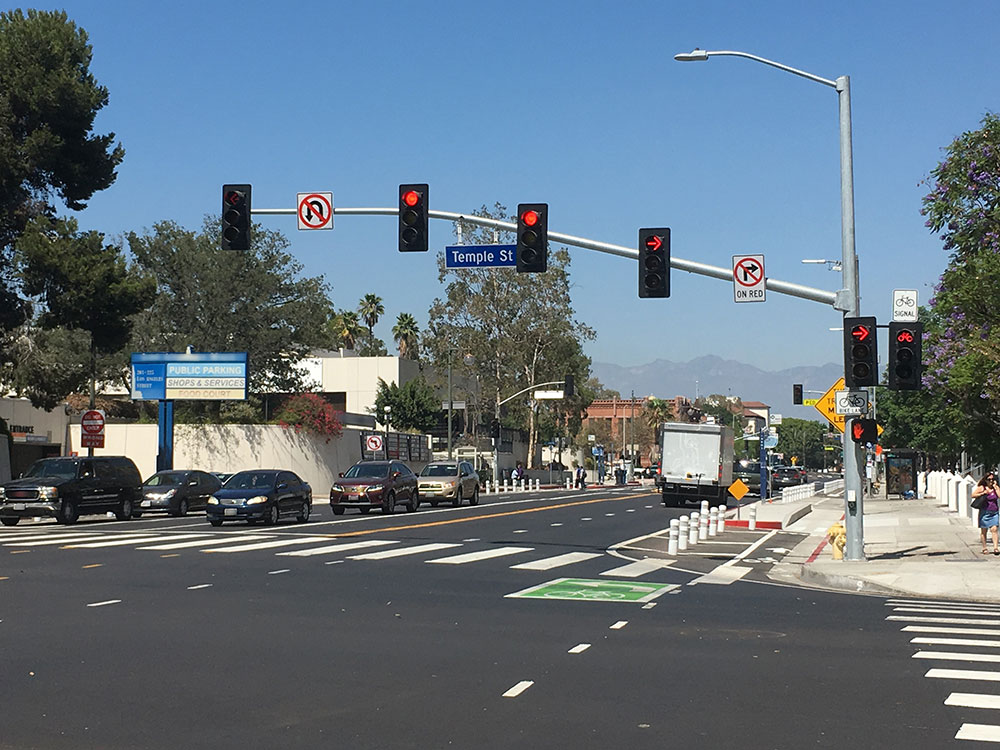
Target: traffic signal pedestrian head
[(654, 262), (236, 217), (413, 218), (864, 431), (532, 237), (797, 393), (905, 355), (860, 352), (569, 387)]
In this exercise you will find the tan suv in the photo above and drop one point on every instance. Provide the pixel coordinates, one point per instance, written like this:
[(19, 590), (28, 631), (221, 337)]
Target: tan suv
[(449, 480)]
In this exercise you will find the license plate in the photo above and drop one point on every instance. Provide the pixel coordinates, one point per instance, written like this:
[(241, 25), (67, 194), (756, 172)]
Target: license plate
[(146, 503), (18, 506), (230, 511)]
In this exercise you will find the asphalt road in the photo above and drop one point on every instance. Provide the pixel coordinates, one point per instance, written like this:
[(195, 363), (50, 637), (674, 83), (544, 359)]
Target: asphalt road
[(436, 630)]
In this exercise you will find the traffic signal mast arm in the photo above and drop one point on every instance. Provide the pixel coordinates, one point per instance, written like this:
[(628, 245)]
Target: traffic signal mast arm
[(531, 388), (703, 269)]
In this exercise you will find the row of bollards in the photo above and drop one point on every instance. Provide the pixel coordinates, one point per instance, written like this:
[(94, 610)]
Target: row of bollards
[(521, 485), (687, 531)]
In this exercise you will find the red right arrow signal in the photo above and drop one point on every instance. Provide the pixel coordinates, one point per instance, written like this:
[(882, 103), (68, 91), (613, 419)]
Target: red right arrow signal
[(654, 243), (860, 333)]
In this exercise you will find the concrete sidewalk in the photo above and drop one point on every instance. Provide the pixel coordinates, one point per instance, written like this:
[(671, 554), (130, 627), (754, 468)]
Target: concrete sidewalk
[(912, 548)]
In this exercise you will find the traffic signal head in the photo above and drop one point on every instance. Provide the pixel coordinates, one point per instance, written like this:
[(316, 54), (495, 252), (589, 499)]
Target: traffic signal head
[(413, 218), (532, 237), (860, 352), (864, 431), (569, 389), (905, 354), (236, 217), (797, 393), (654, 262)]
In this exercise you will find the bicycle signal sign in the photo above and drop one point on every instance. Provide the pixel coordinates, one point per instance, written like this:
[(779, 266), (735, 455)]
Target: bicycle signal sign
[(904, 305)]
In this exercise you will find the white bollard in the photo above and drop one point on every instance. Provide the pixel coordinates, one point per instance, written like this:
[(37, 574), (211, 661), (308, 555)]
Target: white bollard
[(486, 487), (672, 539), (569, 484), (538, 485), (682, 536), (713, 521), (703, 527), (722, 520), (752, 523), (506, 485), (704, 507), (693, 532)]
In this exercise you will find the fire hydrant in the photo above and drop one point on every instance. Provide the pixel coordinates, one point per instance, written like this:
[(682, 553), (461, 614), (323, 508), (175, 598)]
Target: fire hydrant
[(837, 535)]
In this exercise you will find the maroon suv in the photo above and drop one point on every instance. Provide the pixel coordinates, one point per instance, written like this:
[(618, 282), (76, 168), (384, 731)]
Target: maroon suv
[(375, 484)]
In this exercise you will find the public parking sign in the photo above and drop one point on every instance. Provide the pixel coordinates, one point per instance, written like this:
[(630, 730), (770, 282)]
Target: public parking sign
[(92, 429), (749, 284)]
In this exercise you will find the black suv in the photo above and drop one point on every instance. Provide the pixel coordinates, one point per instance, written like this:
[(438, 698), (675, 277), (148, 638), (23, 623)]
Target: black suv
[(68, 487)]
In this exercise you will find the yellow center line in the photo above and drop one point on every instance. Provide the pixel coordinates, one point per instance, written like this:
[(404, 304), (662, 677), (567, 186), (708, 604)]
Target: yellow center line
[(93, 565), (489, 515), (174, 554), (4, 578), (19, 551)]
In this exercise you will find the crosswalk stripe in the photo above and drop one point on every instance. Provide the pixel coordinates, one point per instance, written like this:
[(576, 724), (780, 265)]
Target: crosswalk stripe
[(638, 568), (973, 700), (929, 603), (335, 548), (956, 642), (59, 540), (722, 575), (957, 656), (963, 674), (952, 631), (404, 551), (270, 544), (124, 542), (979, 732), (486, 554), (36, 536), (210, 540), (947, 611), (942, 620), (548, 563)]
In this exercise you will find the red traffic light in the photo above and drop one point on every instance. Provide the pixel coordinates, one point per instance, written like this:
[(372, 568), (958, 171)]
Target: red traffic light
[(654, 243), (904, 337), (861, 333), (411, 198), (529, 218)]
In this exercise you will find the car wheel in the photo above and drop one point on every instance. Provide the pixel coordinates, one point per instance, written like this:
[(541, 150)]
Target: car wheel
[(271, 517), (215, 521), (337, 510), (475, 496), (304, 512), (124, 511), (458, 496), (9, 521), (68, 514), (414, 502), (389, 505), (182, 508)]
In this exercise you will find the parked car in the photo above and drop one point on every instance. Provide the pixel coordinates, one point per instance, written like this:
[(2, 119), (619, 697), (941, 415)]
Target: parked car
[(260, 495), (749, 473), (375, 484), (222, 476), (177, 492), (448, 480), (787, 476), (66, 487)]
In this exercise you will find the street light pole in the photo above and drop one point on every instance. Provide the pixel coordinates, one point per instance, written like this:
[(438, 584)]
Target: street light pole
[(848, 298)]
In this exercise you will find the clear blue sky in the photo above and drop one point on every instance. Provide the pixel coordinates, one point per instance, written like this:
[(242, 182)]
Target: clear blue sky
[(577, 104)]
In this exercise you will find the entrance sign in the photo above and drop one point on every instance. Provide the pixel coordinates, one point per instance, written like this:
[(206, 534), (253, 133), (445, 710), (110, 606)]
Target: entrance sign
[(92, 429), (163, 376), (480, 256), (827, 406), (904, 305), (315, 210), (749, 283)]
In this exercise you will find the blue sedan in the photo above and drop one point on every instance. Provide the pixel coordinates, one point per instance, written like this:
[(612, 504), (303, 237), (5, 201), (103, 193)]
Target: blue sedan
[(260, 495)]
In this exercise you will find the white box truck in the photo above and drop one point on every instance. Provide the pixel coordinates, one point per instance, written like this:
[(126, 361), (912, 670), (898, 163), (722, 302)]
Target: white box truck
[(696, 463)]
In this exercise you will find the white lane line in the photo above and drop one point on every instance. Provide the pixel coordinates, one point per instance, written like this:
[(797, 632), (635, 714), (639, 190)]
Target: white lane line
[(619, 625), (487, 554), (649, 606), (518, 689), (587, 519), (555, 524), (200, 586), (520, 531), (926, 603), (126, 542), (271, 544), (212, 540), (723, 575), (278, 572), (420, 548), (952, 631), (949, 611), (973, 700), (963, 674), (942, 620), (104, 604), (609, 514), (749, 549), (548, 563), (957, 656), (335, 548), (638, 568), (632, 510), (579, 649), (473, 539), (979, 732), (956, 642)]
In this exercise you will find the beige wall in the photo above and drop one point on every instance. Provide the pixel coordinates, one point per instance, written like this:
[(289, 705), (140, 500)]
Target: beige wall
[(18, 412), (358, 377)]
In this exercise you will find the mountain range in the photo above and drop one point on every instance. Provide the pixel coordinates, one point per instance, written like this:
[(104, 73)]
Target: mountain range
[(704, 376)]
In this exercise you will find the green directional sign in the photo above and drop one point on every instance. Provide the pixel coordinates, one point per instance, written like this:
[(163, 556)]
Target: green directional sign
[(588, 590)]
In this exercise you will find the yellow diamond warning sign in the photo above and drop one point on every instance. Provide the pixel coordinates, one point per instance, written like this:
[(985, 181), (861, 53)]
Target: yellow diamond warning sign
[(738, 489), (827, 406)]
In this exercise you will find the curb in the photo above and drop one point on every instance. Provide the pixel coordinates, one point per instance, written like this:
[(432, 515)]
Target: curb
[(846, 583), (788, 520)]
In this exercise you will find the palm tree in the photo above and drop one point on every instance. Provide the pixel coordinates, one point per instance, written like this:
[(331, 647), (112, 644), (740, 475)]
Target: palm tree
[(407, 335), (371, 309), (346, 328)]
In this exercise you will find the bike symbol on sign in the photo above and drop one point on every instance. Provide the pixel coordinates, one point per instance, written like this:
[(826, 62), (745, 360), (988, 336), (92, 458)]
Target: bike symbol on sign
[(852, 400)]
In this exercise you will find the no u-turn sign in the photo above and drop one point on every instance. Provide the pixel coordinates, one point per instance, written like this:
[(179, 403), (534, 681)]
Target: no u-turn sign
[(748, 278)]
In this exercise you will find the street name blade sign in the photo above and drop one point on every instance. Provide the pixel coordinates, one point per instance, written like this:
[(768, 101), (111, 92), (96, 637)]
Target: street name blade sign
[(749, 283), (315, 210), (480, 256), (904, 305)]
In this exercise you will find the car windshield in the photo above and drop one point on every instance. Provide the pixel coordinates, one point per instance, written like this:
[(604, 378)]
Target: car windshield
[(361, 471), (170, 479), (53, 467), (247, 480), (751, 468), (439, 470)]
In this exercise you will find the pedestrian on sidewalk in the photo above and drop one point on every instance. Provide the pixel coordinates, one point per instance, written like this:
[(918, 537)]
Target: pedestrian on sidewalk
[(989, 513)]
